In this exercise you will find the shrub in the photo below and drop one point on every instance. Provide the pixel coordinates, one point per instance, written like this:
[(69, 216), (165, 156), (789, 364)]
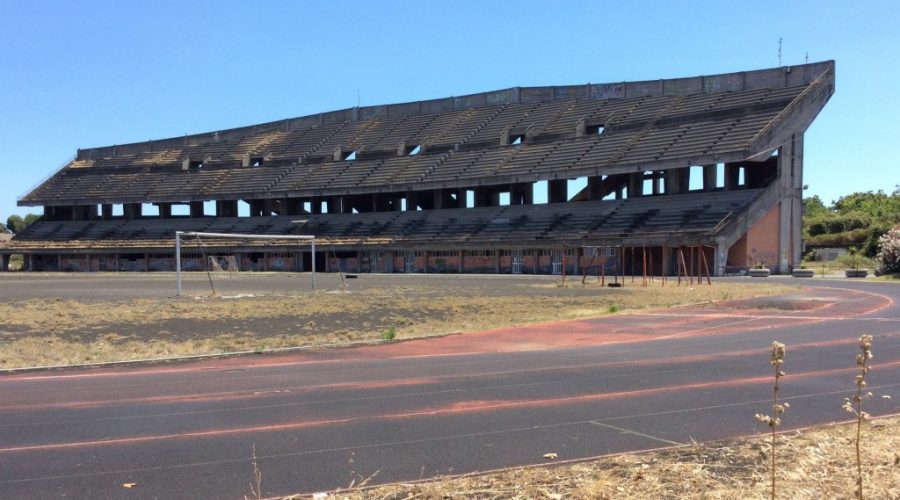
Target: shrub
[(889, 251)]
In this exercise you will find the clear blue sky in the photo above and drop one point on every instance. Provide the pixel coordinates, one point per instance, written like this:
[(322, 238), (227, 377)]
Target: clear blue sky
[(84, 74)]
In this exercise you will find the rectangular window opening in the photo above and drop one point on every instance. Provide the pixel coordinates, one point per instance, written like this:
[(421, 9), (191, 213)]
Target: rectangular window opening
[(517, 139), (742, 176), (594, 129), (350, 156), (413, 151), (256, 162), (196, 165), (504, 199), (720, 175)]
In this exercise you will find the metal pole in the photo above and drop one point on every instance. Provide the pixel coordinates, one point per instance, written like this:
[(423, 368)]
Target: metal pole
[(178, 261), (314, 265)]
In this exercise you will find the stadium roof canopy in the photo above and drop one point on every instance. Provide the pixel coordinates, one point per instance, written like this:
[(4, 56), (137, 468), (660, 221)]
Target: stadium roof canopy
[(517, 135)]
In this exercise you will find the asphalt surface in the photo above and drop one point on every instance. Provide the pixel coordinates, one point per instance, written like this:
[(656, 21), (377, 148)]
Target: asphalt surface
[(320, 420)]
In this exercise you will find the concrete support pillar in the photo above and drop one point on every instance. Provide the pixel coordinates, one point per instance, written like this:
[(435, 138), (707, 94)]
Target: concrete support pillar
[(656, 178), (316, 205), (557, 191), (635, 184), (196, 209), (709, 177), (496, 261), (678, 180), (721, 259), (459, 261), (226, 208), (484, 197), (412, 201), (165, 210), (132, 210), (521, 194), (790, 186), (106, 211), (4, 263), (595, 188), (732, 175)]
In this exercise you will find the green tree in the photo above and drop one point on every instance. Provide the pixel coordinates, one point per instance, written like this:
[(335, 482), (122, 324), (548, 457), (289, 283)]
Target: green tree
[(17, 223), (813, 207)]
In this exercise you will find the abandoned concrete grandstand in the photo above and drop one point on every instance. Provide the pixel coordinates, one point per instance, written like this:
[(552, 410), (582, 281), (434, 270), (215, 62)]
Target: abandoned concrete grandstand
[(459, 184)]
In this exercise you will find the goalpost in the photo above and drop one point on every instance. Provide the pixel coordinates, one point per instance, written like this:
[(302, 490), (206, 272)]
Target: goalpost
[(186, 234)]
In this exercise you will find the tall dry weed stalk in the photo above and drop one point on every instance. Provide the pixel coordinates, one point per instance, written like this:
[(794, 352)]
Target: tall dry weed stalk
[(778, 409), (855, 405)]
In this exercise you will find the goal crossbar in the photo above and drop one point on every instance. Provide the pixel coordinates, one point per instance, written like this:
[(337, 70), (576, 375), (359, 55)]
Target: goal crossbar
[(241, 236)]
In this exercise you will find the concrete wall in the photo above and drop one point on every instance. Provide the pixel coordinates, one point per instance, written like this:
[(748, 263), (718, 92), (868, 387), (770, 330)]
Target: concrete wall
[(760, 245)]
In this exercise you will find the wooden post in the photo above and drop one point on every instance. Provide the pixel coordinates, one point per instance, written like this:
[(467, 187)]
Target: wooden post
[(563, 261), (643, 266), (603, 271), (706, 266)]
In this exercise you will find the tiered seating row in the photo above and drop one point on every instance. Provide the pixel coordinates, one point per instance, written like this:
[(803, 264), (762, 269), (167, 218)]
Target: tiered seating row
[(160, 174), (519, 223)]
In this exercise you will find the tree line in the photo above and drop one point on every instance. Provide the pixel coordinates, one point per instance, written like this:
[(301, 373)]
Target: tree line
[(857, 220)]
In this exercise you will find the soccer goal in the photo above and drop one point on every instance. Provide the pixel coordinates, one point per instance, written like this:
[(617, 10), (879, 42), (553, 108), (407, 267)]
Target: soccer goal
[(228, 263)]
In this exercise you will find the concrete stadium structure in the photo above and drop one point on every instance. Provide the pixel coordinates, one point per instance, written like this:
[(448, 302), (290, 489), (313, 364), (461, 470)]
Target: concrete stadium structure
[(448, 185)]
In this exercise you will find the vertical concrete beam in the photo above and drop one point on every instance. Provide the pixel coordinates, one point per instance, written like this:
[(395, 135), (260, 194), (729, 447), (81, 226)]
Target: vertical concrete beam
[(635, 184), (655, 179), (709, 177), (483, 197), (165, 210), (132, 210), (732, 175), (595, 188), (4, 262), (316, 205), (790, 186), (196, 209), (557, 191), (106, 211)]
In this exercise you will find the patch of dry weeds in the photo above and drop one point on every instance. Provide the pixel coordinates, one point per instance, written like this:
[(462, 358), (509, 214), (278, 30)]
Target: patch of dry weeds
[(62, 332), (813, 465)]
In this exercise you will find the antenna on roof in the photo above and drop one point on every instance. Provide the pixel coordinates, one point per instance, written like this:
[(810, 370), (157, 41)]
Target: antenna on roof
[(779, 52), (357, 98), (806, 61)]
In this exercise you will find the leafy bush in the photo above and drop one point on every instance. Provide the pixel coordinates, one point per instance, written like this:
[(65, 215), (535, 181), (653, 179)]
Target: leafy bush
[(889, 251)]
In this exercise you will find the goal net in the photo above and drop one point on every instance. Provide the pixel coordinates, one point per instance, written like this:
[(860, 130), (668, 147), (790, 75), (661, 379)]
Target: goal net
[(227, 254)]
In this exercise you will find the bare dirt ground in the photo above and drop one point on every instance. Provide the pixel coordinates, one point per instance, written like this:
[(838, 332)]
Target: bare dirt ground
[(64, 319), (811, 465)]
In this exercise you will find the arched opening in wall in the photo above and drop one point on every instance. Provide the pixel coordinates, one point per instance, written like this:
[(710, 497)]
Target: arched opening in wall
[(540, 192), (243, 208), (181, 210), (209, 208), (149, 210), (695, 178)]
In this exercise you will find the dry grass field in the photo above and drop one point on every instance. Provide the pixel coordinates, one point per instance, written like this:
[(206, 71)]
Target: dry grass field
[(76, 320), (812, 465)]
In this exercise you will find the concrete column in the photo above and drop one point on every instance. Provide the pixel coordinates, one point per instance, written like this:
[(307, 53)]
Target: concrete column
[(709, 177), (165, 210), (656, 178), (557, 191), (226, 208), (106, 211), (521, 194), (595, 188), (732, 175), (196, 208), (4, 263), (635, 184), (496, 261), (484, 197), (790, 186), (316, 205), (132, 210)]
